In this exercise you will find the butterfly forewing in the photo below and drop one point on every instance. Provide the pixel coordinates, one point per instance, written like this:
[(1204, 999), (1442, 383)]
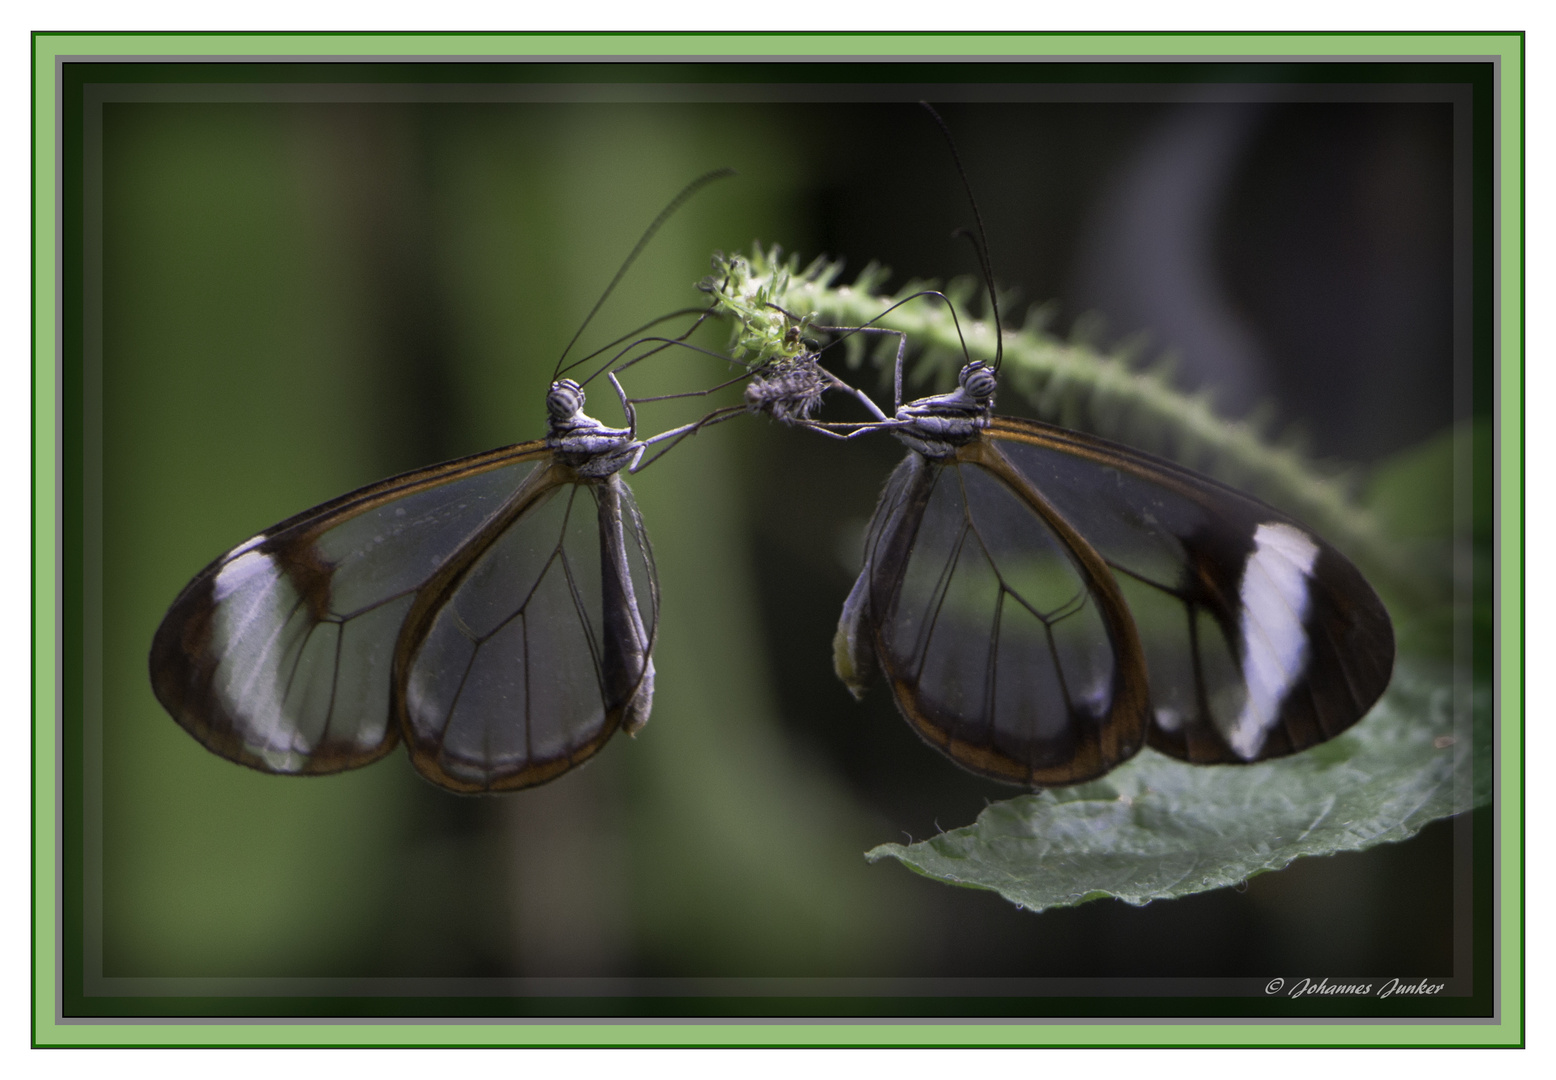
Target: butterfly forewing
[(1002, 645), (1260, 638), (279, 654), (531, 645)]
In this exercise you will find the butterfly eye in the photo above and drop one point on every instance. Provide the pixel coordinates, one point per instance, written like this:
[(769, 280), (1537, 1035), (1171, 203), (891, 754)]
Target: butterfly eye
[(565, 401), (979, 380)]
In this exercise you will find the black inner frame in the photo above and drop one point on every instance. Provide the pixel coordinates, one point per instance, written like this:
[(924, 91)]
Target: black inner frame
[(76, 77)]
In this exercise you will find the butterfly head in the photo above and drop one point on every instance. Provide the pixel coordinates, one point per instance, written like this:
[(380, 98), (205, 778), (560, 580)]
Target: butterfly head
[(935, 426), (978, 382), (580, 440), (565, 402)]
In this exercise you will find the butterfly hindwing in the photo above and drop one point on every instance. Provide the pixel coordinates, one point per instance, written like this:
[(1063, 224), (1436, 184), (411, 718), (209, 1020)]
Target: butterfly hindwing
[(1004, 642), (532, 644)]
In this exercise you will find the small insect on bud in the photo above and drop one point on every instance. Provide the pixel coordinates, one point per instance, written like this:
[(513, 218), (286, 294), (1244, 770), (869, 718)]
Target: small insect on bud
[(787, 390)]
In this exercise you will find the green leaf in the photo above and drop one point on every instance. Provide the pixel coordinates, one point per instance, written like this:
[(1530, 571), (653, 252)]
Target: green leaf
[(1157, 828)]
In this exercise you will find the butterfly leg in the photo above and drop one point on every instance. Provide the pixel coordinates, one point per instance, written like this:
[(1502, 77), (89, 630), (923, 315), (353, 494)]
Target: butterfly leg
[(627, 408), (902, 345), (676, 434), (863, 398)]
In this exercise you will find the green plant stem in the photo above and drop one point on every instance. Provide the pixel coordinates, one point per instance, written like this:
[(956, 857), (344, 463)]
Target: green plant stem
[(1076, 385)]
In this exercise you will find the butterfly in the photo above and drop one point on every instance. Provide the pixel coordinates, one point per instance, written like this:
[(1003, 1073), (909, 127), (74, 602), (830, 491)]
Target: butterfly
[(496, 613), (1043, 603)]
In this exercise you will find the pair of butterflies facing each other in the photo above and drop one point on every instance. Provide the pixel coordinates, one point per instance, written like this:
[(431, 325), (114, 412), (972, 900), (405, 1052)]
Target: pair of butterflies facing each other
[(1041, 603)]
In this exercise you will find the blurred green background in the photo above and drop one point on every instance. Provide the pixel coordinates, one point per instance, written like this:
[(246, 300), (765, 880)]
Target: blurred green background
[(299, 299)]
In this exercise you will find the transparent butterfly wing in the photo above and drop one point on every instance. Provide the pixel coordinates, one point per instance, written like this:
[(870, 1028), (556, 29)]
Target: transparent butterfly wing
[(279, 654), (1003, 644), (1260, 638), (533, 644)]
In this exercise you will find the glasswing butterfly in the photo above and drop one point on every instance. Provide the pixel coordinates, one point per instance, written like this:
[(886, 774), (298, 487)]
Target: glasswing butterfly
[(497, 613), (1043, 603)]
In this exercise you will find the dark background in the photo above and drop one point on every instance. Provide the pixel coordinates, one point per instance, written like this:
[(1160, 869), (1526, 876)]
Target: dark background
[(299, 299)]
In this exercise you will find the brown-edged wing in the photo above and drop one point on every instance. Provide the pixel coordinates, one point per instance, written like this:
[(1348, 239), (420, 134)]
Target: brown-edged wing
[(530, 646), (281, 654), (1001, 633), (1042, 602)]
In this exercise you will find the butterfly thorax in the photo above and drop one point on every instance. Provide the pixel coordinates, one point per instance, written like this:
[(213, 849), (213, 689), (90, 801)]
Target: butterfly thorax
[(580, 441), (936, 426)]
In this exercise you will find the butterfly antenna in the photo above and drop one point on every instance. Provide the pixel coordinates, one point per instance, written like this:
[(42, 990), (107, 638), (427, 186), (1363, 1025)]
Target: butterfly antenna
[(980, 243), (648, 234)]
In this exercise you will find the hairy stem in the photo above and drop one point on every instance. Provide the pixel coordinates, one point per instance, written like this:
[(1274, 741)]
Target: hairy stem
[(1068, 383)]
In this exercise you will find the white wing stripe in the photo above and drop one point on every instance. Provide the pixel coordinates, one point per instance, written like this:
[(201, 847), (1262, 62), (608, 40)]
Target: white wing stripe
[(1274, 596), (253, 611)]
